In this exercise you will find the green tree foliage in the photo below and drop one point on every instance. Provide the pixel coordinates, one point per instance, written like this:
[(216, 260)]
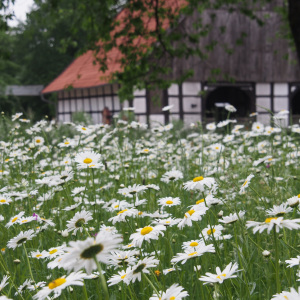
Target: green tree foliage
[(35, 52)]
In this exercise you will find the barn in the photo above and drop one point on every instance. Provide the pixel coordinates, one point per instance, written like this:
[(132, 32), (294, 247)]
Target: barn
[(253, 69)]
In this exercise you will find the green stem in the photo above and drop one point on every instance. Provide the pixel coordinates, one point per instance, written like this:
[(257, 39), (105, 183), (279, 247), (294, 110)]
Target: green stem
[(276, 261), (102, 280), (152, 285), (30, 271)]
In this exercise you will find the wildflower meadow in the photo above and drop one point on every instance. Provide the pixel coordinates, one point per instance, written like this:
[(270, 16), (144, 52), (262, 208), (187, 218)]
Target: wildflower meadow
[(124, 211)]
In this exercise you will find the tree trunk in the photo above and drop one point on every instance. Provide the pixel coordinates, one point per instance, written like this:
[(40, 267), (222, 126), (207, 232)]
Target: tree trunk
[(294, 20)]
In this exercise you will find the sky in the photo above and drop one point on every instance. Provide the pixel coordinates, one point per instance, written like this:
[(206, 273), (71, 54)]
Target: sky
[(20, 8)]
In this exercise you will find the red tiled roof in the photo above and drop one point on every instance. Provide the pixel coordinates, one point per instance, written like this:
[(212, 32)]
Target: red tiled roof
[(84, 73)]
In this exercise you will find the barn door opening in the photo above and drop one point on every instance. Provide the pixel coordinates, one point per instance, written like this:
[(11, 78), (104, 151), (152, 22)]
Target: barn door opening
[(240, 98), (295, 105)]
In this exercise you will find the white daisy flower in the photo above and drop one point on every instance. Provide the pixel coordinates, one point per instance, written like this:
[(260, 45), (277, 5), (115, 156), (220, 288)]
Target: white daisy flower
[(82, 254), (210, 232), (4, 282), (77, 190), (166, 108), (233, 217), (79, 220), (166, 271), (24, 220), (200, 183), (122, 276), (132, 190), (279, 210), (167, 222), (4, 199), (56, 286), (191, 244), (88, 159), (192, 215), (170, 176), (293, 262), (38, 141), (146, 234), (294, 201), (121, 258), (36, 254), (20, 239), (257, 127), (174, 292), (292, 295), (168, 201), (142, 267), (228, 272), (16, 116), (246, 183), (217, 147), (83, 129), (269, 223), (230, 108), (193, 252), (211, 126), (121, 215), (14, 219)]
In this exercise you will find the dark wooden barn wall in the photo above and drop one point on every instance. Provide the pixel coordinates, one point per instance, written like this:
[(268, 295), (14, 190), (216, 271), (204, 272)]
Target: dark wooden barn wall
[(260, 58)]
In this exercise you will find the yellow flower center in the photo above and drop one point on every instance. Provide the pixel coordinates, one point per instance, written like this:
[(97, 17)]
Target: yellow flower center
[(120, 212), (14, 219), (194, 244), (169, 202), (83, 128), (146, 230), (87, 160), (67, 143), (219, 276), (172, 298), (245, 183), (193, 253), (209, 232), (140, 213), (2, 249), (53, 251), (199, 178), (257, 127), (38, 255), (7, 160), (116, 206), (217, 148), (2, 200), (24, 221), (268, 220), (200, 201), (55, 283), (122, 277), (37, 141), (146, 150), (190, 212), (298, 195)]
